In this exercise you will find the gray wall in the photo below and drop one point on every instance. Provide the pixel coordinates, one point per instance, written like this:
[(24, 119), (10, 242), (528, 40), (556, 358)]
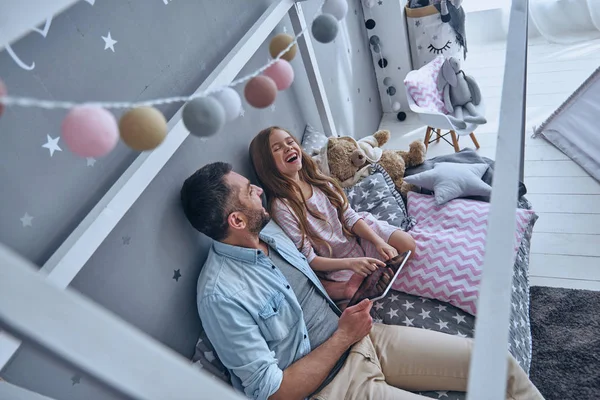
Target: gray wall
[(132, 272)]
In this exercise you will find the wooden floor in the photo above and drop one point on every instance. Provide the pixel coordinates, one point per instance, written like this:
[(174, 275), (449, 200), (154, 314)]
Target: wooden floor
[(565, 250)]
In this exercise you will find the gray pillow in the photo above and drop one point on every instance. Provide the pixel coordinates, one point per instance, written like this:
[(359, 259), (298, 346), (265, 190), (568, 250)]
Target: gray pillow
[(377, 195), (451, 180), (312, 140)]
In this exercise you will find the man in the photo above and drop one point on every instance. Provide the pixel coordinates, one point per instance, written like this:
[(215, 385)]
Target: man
[(279, 333)]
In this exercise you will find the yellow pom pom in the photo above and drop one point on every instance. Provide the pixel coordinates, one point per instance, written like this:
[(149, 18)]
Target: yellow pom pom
[(143, 128), (279, 43)]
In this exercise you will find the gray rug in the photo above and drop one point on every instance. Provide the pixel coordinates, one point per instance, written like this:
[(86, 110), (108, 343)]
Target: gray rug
[(565, 325)]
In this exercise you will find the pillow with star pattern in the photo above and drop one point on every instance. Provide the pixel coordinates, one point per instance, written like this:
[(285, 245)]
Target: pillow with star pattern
[(377, 194), (313, 140)]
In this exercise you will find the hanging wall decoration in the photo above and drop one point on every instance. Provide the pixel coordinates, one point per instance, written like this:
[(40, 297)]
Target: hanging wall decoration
[(429, 36), (90, 130), (384, 22)]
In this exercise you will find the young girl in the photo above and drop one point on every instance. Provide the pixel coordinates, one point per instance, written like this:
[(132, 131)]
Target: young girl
[(314, 212)]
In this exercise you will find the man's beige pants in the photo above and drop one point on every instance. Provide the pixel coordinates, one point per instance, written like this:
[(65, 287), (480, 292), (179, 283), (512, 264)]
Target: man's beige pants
[(394, 360)]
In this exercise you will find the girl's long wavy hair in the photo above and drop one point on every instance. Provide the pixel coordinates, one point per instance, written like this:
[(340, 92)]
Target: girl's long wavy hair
[(278, 186)]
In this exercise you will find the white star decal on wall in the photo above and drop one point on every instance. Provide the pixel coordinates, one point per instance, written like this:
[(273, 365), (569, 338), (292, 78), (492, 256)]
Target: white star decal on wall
[(26, 220), (459, 318), (109, 42), (52, 144), (90, 161), (392, 313)]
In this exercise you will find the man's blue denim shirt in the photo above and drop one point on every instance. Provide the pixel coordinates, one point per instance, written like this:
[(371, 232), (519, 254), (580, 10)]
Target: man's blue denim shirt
[(251, 314)]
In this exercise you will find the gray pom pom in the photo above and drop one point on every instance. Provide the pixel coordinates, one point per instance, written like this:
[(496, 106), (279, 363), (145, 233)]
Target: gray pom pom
[(388, 81), (374, 40), (325, 28), (203, 116)]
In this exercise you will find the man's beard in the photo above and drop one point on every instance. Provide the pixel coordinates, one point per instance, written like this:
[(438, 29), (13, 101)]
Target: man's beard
[(257, 220)]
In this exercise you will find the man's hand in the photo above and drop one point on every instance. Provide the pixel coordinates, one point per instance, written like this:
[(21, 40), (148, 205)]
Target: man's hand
[(355, 322), (352, 286)]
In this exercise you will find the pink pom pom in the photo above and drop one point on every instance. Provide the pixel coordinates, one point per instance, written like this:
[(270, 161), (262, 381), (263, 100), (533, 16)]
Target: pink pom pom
[(90, 131), (3, 92), (282, 74), (260, 91)]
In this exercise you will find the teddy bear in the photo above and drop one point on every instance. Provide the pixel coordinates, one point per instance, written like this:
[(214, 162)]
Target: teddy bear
[(348, 160)]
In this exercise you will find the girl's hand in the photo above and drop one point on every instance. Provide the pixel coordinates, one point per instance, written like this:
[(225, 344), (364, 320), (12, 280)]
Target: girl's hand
[(363, 265), (387, 252)]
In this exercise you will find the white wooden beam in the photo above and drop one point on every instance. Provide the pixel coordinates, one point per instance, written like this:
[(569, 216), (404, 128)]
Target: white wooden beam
[(73, 328), (9, 391), (312, 70), (72, 255), (487, 375), (19, 17)]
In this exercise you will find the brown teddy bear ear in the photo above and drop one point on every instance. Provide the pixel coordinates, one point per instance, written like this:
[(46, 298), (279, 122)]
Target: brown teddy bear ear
[(382, 137)]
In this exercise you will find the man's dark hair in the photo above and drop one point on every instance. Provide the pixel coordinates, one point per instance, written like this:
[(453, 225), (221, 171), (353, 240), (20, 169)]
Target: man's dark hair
[(205, 197)]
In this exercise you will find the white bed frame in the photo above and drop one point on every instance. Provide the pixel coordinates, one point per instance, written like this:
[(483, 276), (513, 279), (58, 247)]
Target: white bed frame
[(69, 326)]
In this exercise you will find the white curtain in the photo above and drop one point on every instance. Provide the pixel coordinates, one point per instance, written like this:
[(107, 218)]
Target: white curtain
[(566, 21)]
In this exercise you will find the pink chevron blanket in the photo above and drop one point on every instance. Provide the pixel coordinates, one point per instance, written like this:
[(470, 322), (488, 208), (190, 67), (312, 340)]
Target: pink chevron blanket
[(450, 247)]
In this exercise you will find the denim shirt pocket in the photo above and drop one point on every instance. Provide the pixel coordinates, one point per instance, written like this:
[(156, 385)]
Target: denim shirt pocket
[(276, 317)]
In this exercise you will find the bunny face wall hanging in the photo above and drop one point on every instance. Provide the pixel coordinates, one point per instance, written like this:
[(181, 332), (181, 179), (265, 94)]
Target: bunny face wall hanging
[(430, 37), (461, 93)]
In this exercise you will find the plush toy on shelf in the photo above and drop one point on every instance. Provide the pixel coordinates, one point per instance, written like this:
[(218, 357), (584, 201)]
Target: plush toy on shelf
[(349, 160), (461, 93)]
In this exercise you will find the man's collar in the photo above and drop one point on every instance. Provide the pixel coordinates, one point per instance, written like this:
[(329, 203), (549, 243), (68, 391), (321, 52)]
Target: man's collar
[(242, 253)]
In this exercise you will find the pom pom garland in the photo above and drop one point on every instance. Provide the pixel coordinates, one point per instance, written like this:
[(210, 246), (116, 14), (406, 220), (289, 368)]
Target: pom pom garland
[(204, 116), (90, 131), (279, 43), (324, 28), (143, 128), (3, 92), (231, 103), (260, 91), (337, 8), (282, 74), (396, 106)]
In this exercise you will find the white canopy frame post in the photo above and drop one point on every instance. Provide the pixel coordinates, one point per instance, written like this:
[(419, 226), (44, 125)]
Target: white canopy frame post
[(73, 328), (487, 375), (66, 262), (19, 17), (9, 391)]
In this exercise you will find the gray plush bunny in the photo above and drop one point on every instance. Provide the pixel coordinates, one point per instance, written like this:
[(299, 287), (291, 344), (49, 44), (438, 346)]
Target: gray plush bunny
[(461, 92)]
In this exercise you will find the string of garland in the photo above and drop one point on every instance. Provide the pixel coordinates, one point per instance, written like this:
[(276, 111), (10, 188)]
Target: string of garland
[(90, 130)]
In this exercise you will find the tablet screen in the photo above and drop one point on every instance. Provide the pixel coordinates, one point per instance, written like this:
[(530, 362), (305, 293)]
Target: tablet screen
[(376, 285)]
